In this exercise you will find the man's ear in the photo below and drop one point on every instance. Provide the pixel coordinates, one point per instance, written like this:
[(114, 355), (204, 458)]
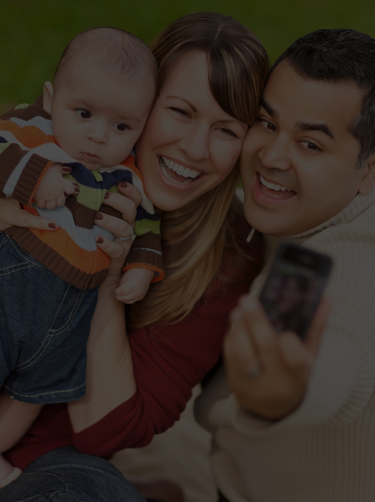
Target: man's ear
[(47, 97), (368, 181)]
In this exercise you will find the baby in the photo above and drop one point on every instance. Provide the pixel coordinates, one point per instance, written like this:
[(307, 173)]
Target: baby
[(94, 113)]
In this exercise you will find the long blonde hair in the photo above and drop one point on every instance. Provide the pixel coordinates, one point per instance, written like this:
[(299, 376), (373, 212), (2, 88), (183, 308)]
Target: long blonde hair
[(197, 234)]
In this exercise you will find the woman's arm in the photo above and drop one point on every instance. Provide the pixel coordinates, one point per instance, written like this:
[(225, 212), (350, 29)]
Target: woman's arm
[(168, 362), (109, 371)]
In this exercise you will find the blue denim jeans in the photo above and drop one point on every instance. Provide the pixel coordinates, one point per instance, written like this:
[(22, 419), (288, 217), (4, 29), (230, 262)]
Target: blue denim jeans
[(44, 326), (65, 475)]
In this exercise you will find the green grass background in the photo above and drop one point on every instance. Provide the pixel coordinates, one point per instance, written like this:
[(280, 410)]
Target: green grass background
[(33, 33)]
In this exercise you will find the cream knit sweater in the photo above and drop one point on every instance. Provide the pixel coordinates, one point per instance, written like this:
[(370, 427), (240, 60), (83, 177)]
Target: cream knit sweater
[(325, 450)]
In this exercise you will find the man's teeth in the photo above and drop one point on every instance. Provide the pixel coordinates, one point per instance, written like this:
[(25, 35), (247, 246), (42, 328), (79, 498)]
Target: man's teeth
[(272, 186), (181, 170)]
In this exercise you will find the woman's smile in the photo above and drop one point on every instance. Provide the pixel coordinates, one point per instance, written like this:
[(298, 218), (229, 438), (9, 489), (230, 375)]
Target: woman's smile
[(190, 144)]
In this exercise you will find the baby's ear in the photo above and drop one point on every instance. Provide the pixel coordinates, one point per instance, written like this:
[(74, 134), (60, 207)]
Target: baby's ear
[(47, 97)]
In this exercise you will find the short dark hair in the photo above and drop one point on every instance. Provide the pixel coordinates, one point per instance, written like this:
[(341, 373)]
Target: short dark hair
[(337, 55)]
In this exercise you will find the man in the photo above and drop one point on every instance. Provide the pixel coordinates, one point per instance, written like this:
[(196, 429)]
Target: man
[(300, 423)]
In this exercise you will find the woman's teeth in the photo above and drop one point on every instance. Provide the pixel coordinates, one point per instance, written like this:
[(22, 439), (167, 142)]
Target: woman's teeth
[(272, 186), (187, 173)]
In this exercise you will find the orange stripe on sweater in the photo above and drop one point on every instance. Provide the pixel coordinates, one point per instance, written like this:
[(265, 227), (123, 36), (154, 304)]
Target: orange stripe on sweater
[(130, 163), (61, 242), (35, 136)]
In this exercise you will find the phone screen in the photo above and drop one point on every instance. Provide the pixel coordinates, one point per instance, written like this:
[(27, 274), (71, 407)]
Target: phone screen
[(294, 287)]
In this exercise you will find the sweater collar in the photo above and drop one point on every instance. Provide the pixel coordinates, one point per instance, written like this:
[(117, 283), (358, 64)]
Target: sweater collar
[(358, 205)]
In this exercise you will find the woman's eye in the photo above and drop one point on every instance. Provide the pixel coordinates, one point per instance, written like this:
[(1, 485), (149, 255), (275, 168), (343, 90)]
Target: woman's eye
[(179, 111), (84, 114), (122, 127), (228, 132)]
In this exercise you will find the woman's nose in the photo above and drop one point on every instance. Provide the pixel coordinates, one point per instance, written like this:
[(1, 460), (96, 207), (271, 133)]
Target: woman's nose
[(195, 143)]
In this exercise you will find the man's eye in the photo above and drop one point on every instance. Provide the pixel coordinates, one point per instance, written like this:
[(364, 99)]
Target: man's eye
[(84, 114), (266, 124), (122, 127), (311, 146)]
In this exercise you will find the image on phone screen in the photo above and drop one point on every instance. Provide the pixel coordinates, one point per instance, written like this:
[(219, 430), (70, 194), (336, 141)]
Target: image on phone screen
[(294, 287)]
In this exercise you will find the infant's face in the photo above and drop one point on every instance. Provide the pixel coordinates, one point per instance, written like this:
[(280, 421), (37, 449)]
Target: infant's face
[(97, 116)]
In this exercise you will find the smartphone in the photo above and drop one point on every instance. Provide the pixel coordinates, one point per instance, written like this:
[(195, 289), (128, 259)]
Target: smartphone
[(294, 287)]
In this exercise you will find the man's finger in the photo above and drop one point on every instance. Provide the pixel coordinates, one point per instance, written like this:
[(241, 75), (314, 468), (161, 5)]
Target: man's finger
[(263, 335), (317, 326), (238, 347)]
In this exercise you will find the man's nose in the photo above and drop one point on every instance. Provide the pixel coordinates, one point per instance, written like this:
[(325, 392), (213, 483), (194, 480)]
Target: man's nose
[(275, 153)]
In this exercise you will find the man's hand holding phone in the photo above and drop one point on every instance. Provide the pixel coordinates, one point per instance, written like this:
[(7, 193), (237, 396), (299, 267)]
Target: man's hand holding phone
[(269, 371), (268, 366)]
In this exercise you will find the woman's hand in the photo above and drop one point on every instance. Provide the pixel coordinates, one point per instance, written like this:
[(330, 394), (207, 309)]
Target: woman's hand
[(12, 214), (269, 372), (122, 229)]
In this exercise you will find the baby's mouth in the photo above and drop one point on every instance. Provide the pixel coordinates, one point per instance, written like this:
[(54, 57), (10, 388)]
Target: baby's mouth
[(176, 172)]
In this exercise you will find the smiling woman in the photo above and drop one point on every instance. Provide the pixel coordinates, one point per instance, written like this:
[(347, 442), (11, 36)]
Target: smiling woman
[(212, 70)]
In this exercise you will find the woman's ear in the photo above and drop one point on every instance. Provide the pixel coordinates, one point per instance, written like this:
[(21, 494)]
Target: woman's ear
[(368, 181), (47, 97)]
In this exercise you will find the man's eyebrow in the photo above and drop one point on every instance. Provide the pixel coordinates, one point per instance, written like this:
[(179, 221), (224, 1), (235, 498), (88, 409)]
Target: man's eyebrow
[(316, 127), (267, 107)]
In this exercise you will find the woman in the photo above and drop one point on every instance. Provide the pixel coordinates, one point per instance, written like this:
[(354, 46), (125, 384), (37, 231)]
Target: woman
[(212, 72)]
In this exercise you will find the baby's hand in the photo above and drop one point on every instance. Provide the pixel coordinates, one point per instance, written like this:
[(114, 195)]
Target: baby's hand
[(54, 188), (134, 285)]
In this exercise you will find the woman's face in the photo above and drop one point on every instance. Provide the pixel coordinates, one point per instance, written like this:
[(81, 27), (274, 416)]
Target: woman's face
[(189, 144)]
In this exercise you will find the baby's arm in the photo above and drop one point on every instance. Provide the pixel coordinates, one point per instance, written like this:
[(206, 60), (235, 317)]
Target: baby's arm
[(21, 170), (15, 419), (134, 285), (53, 188)]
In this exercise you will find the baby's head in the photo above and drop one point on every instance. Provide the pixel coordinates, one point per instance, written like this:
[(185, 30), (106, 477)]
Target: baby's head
[(103, 91)]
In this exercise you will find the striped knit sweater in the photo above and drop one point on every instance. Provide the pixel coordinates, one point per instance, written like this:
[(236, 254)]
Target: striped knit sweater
[(27, 150)]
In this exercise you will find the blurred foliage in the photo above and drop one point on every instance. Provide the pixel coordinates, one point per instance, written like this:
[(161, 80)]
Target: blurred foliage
[(34, 32)]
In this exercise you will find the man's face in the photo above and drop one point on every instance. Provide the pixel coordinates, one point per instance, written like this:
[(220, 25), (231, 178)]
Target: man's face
[(298, 160)]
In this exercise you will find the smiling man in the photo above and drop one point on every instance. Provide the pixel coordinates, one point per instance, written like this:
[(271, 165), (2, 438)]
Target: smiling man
[(300, 423)]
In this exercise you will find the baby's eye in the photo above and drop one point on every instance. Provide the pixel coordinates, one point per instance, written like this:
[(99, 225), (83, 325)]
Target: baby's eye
[(84, 114), (122, 127)]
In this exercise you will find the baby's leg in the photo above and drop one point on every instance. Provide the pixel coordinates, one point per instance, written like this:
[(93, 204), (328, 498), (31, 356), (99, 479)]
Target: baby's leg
[(15, 419)]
